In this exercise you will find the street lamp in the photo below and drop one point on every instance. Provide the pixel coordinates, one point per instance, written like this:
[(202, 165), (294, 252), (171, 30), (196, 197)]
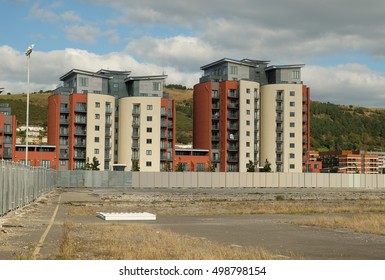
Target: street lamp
[(28, 54)]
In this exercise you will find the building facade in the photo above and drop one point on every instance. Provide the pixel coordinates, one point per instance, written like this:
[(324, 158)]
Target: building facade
[(246, 111), (8, 126), (147, 126), (91, 113), (350, 161)]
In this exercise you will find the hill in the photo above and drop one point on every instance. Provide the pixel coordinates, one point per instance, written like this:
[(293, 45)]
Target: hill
[(38, 107), (333, 127)]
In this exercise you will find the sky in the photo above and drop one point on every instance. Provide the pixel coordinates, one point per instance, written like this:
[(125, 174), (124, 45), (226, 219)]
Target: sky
[(341, 42)]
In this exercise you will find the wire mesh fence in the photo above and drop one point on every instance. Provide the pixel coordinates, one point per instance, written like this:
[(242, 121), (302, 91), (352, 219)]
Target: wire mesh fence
[(20, 184)]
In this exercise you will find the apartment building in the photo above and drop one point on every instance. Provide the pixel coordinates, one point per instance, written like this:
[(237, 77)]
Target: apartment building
[(351, 161), (248, 111), (81, 114), (147, 126), (81, 127), (7, 132)]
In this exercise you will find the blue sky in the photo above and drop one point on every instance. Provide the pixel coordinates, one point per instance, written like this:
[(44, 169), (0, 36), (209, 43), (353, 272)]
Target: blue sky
[(341, 47)]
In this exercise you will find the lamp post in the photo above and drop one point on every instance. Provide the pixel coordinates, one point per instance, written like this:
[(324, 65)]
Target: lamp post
[(28, 54)]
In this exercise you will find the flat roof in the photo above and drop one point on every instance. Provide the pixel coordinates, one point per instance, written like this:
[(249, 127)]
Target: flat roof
[(245, 61), (191, 150), (142, 78), (36, 145), (289, 66), (78, 71)]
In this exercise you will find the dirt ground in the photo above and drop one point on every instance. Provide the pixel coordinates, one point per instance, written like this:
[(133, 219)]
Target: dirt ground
[(261, 217)]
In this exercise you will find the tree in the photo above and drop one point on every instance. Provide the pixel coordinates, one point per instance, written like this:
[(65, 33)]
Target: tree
[(266, 167), (250, 166), (22, 134), (179, 167), (211, 167), (92, 166), (135, 165), (42, 134)]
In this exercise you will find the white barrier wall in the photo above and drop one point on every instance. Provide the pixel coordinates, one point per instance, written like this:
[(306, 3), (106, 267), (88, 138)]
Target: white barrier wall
[(253, 180)]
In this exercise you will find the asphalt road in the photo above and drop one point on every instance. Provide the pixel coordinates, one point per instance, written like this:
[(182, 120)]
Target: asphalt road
[(37, 229)]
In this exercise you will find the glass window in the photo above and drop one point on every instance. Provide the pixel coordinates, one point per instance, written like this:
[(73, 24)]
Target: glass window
[(96, 151), (292, 93), (292, 103), (149, 129), (149, 107), (292, 114), (292, 166), (156, 86), (97, 128), (148, 163), (96, 140), (149, 152), (149, 118), (149, 141), (97, 116), (97, 104), (200, 167)]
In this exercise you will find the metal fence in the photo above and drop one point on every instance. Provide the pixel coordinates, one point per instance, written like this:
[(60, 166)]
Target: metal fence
[(94, 179), (20, 185)]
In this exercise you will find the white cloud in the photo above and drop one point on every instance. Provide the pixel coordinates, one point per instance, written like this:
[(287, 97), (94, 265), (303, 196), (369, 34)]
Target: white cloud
[(82, 33), (352, 84)]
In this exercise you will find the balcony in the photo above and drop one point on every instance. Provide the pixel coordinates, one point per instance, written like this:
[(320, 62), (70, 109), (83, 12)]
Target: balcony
[(279, 108), (108, 123), (80, 156), (63, 156), (163, 124), (64, 121), (232, 105), (232, 137), (135, 135), (279, 129), (79, 121), (232, 94), (215, 138), (80, 144), (233, 159), (232, 148), (232, 127), (80, 132), (136, 112), (232, 116), (136, 123), (80, 109)]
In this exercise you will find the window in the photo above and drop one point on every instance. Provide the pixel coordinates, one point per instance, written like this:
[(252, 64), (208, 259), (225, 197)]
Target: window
[(149, 141), (247, 144), (156, 86), (149, 129), (292, 145), (148, 163), (292, 114), (247, 101), (149, 118), (292, 103), (247, 122), (96, 140), (247, 112), (149, 152), (295, 74), (97, 116), (247, 90), (292, 124), (292, 166), (97, 104), (248, 155), (200, 167), (83, 82), (96, 151), (45, 163), (97, 128), (247, 133), (149, 107), (234, 70), (292, 135), (292, 93), (292, 155)]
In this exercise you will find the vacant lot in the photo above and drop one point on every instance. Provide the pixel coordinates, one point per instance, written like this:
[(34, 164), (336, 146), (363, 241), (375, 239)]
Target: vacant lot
[(263, 223)]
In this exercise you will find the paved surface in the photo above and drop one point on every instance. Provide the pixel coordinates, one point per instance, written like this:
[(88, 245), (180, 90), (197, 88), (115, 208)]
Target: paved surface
[(37, 229)]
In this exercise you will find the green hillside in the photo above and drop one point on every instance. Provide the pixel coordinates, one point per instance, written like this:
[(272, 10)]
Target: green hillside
[(38, 104), (333, 127)]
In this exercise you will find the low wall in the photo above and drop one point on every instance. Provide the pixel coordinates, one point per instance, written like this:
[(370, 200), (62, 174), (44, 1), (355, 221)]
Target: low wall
[(126, 179)]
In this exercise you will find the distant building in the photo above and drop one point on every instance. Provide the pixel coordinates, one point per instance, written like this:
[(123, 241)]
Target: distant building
[(197, 160), (7, 132), (38, 155), (313, 163), (349, 161)]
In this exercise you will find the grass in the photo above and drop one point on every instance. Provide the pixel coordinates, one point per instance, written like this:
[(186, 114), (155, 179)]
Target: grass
[(369, 223), (223, 206), (138, 242)]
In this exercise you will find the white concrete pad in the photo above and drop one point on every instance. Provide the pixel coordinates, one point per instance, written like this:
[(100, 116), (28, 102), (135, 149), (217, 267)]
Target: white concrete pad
[(131, 216)]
